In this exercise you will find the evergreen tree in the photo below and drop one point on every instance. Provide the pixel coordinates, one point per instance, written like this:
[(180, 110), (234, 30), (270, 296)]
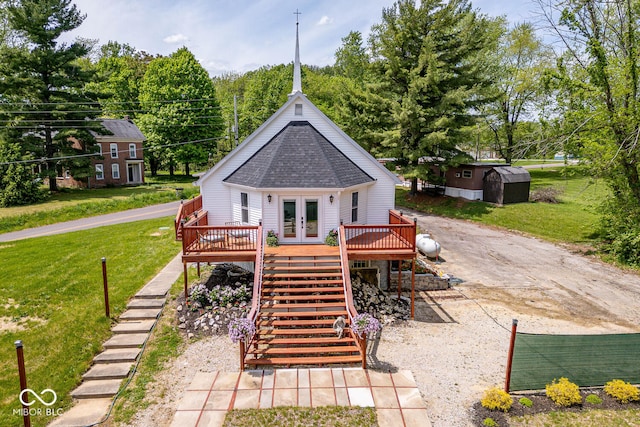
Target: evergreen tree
[(43, 84), (430, 62)]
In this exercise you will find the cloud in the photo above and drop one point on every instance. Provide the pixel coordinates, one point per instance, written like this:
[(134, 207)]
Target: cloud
[(325, 20), (175, 38)]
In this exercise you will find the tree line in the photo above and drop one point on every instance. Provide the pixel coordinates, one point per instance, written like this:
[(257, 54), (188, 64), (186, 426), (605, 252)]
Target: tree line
[(435, 84)]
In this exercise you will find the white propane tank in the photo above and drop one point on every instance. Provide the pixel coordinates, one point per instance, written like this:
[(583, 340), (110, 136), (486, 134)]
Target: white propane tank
[(427, 245)]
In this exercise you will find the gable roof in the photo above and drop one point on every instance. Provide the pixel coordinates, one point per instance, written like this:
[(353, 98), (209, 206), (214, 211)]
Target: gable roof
[(123, 129), (299, 157), (298, 97)]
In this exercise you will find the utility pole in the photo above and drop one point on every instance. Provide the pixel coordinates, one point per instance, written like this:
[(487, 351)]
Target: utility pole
[(235, 118)]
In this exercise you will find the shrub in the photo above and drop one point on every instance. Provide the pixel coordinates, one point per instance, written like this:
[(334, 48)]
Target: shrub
[(272, 238), (622, 391), (241, 329), (489, 422), (593, 399), (496, 398), (564, 393), (199, 296), (332, 238), (525, 401), (545, 195)]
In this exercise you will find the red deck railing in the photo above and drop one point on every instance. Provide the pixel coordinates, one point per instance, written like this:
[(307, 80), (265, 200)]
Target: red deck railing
[(399, 234), (186, 209), (257, 292), (361, 342), (205, 238)]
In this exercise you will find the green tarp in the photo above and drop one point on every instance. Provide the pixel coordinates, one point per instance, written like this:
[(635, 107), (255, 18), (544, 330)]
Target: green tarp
[(587, 360)]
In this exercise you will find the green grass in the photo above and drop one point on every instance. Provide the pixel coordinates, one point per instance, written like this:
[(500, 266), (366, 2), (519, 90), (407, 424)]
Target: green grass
[(326, 416), (52, 287), (71, 204), (590, 418), (573, 220)]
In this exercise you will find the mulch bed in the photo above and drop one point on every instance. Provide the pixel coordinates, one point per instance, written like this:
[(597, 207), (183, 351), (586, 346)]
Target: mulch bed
[(542, 404)]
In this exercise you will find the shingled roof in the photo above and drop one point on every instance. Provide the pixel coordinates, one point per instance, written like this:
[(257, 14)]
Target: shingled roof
[(299, 157), (121, 128)]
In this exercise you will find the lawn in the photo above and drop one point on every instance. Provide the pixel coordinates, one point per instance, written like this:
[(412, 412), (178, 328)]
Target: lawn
[(51, 298), (574, 219), (70, 204)]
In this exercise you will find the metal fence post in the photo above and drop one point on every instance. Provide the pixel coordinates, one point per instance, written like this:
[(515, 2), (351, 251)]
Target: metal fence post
[(106, 286), (26, 418), (507, 381)]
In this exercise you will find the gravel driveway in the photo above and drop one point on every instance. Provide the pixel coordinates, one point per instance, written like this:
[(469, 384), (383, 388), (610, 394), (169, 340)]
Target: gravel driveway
[(457, 345)]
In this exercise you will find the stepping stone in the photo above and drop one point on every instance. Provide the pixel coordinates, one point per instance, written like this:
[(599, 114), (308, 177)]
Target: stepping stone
[(83, 413), (126, 341), (140, 313), (117, 355), (96, 389), (133, 327), (108, 371), (146, 303)]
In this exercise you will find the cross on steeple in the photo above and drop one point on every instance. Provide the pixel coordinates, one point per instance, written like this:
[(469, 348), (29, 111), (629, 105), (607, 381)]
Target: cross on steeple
[(297, 15)]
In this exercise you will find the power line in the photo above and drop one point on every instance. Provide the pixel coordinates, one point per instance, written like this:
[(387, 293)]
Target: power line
[(47, 159)]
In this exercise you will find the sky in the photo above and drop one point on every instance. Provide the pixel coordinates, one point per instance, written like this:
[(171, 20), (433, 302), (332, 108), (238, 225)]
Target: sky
[(243, 35)]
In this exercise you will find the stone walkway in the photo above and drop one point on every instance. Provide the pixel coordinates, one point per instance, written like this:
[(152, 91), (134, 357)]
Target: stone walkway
[(102, 382), (211, 394)]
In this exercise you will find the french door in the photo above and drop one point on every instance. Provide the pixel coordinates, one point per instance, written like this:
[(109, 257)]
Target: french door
[(300, 220)]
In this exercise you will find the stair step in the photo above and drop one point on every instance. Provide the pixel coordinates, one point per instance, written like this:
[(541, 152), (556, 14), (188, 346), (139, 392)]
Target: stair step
[(301, 341), (309, 268), (108, 371), (315, 313), (339, 297), (146, 303), (300, 275), (289, 322), (271, 261), (126, 341), (96, 389), (301, 282), (335, 289), (268, 308), (292, 331), (313, 360), (117, 355), (290, 351)]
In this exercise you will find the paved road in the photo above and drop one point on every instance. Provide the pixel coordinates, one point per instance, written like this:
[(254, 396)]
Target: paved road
[(149, 212)]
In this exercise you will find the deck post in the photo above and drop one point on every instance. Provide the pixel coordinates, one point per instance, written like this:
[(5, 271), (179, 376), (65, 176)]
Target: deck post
[(242, 355), (363, 346), (186, 281), (413, 286), (399, 278), (198, 268)]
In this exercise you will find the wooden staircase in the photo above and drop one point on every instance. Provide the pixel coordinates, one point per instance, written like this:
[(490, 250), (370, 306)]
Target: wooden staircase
[(302, 295)]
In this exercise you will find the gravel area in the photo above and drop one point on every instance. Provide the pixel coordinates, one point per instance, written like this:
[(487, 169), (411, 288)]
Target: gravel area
[(457, 345)]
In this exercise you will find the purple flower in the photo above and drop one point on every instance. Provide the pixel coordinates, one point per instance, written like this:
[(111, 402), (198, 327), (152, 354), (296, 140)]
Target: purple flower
[(241, 329), (364, 323)]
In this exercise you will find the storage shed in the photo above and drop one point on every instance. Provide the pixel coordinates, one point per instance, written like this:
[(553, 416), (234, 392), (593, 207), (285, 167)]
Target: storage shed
[(506, 184)]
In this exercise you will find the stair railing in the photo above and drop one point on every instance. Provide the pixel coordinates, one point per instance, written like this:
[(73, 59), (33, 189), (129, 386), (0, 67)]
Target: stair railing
[(257, 292), (361, 342)]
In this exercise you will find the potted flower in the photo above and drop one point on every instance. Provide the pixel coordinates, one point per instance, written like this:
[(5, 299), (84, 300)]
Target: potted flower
[(332, 238), (272, 238), (364, 323), (241, 329)]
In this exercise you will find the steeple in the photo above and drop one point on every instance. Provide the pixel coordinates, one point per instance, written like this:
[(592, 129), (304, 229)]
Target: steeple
[(297, 74)]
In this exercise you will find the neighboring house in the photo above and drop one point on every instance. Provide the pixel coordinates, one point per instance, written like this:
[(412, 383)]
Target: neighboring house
[(490, 182), (120, 160)]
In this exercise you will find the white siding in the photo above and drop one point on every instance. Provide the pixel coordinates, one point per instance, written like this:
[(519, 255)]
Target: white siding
[(375, 200)]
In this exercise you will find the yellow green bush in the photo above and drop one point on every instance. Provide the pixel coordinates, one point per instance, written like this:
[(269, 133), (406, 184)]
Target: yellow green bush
[(563, 392), (622, 391), (496, 398)]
